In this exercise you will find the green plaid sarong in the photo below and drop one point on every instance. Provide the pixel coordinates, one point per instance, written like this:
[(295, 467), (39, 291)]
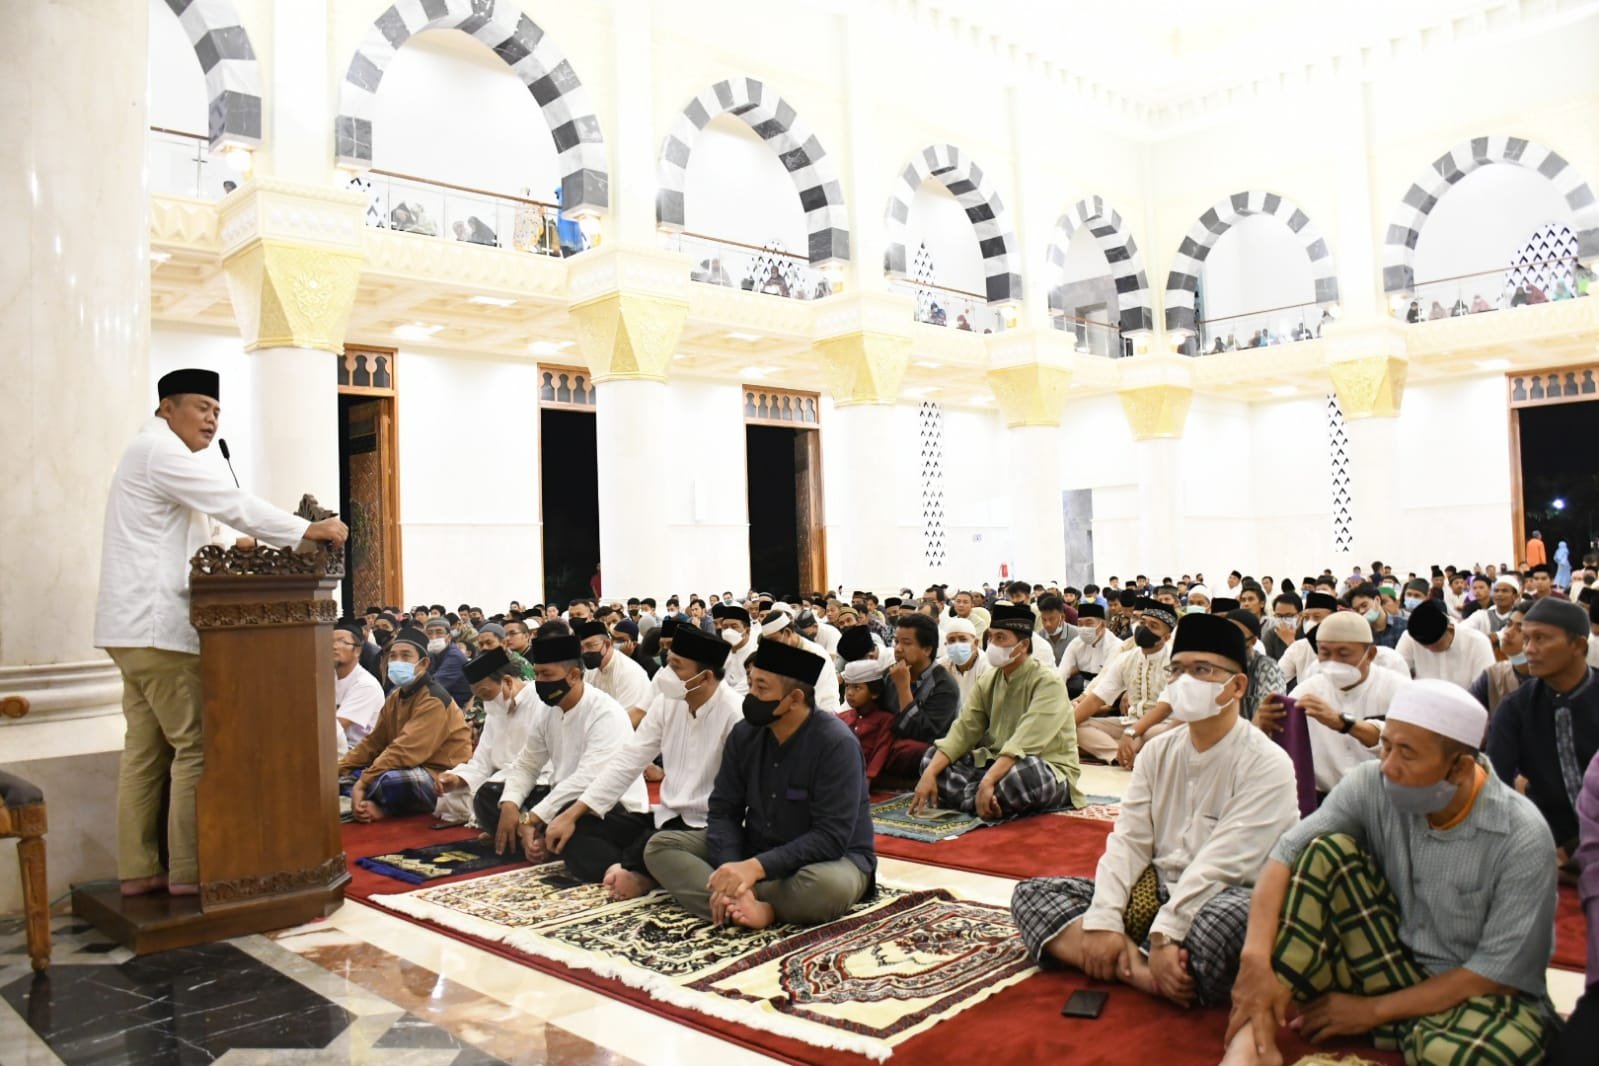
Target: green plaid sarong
[(1340, 933)]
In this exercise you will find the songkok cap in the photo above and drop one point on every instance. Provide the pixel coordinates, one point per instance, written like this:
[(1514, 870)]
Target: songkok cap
[(805, 620), (1127, 597), (964, 625), (1593, 611), (669, 628), (1248, 619), (1508, 579), (893, 601), (628, 626), (864, 671), (1199, 590), (492, 627), (584, 630), (1210, 633), (1085, 609), (856, 643), (774, 622), (1562, 614), (192, 380), (1321, 601), (794, 663), (486, 665), (389, 617), (1441, 707), (1541, 568), (355, 629), (1223, 604), (557, 649), (1427, 624), (1345, 627), (692, 642), (1158, 611), (412, 636), (730, 611), (1018, 620)]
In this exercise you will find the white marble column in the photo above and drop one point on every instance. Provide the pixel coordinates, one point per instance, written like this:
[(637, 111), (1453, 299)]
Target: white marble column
[(632, 139), (632, 492), (294, 400), (1374, 488), (1037, 517), (75, 312), (1160, 506), (864, 523)]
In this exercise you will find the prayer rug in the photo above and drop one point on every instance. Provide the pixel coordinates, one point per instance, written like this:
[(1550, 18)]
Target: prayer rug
[(895, 965), (1040, 845), (419, 865), (893, 818), (366, 839)]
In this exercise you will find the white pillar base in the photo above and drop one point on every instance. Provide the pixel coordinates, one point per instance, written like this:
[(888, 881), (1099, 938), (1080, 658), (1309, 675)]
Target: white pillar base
[(1160, 508), (1037, 515)]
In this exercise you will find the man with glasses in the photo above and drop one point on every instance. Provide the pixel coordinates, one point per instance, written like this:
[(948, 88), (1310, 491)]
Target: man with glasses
[(1168, 906), (357, 696)]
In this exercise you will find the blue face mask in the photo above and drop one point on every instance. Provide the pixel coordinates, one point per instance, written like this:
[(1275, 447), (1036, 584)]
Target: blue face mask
[(402, 673), (960, 653), (1519, 659), (1194, 608), (1412, 602), (1419, 799)]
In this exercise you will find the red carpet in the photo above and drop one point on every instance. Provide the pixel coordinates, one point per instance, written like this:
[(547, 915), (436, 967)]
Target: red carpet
[(1571, 932), (1044, 845), (395, 834)]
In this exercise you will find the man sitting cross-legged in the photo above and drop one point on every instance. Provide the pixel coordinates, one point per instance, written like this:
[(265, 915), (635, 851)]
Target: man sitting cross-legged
[(508, 716), (1417, 905), (1013, 747), (788, 835), (419, 734), (686, 725), (1203, 809), (581, 731)]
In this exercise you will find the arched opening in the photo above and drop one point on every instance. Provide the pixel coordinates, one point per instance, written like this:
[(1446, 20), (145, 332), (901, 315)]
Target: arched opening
[(203, 105), (1100, 292)]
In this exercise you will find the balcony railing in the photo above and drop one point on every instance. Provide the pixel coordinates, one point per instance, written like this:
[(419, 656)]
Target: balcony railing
[(1259, 329), (181, 164), (1563, 278), (940, 305), (1093, 337), (768, 269), (409, 204)]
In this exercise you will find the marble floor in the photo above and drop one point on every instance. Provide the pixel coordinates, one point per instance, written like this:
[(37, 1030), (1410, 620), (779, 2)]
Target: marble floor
[(366, 987)]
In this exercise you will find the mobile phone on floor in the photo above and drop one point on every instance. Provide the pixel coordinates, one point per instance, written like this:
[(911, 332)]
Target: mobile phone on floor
[(1084, 1003)]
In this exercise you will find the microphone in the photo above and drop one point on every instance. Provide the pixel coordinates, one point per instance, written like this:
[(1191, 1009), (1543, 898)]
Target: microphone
[(227, 458)]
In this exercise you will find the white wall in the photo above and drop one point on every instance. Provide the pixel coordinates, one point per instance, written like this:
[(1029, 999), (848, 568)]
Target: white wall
[(706, 521), (1480, 224), (1291, 499), (938, 220), (737, 188), (1257, 264), (1084, 260), (469, 508)]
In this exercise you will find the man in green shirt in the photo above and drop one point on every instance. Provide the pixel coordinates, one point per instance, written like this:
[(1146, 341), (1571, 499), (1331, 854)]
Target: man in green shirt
[(1021, 707)]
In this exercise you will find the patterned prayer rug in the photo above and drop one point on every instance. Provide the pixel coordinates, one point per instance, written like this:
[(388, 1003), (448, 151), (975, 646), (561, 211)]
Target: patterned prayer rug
[(420, 865), (1098, 808), (895, 965), (893, 818)]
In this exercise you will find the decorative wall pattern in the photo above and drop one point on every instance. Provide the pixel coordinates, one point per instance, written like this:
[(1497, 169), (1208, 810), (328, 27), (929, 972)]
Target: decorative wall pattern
[(1548, 258), (1399, 246), (924, 273), (1572, 385), (1202, 236), (768, 114), (1126, 264), (930, 423), (566, 387), (779, 407), (984, 209), (524, 47), (1342, 500), (232, 77)]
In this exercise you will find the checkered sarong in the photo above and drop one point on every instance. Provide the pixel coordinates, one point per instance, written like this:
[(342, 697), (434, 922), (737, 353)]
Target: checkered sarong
[(1044, 906), (408, 791), (1030, 787), (1340, 933)]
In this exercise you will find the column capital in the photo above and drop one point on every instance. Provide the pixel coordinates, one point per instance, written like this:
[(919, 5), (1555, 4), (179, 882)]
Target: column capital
[(1372, 386), (1030, 394), (629, 336), (1156, 412), (864, 367)]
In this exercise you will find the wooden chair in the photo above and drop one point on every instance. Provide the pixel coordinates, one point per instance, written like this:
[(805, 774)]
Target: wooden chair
[(22, 815)]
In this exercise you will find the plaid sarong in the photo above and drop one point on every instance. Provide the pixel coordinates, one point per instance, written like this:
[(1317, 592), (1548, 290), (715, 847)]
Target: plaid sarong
[(1340, 933), (1030, 787), (1044, 906), (408, 791)]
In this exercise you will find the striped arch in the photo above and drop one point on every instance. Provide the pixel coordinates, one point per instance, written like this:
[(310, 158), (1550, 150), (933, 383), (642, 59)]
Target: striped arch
[(524, 47), (807, 162), (1183, 281), (1126, 263), (966, 180), (232, 77), (1399, 246)]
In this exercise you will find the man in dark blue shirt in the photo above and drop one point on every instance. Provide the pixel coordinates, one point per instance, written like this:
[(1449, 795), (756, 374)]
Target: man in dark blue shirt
[(788, 837)]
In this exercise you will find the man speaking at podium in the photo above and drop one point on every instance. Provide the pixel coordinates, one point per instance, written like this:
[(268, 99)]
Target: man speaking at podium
[(156, 519)]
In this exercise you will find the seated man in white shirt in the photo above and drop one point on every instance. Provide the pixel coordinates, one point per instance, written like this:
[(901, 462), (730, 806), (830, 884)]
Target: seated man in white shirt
[(469, 792), (1435, 646), (1140, 674), (1168, 906), (686, 726), (1090, 652), (581, 733), (357, 696), (1301, 653), (1345, 699), (613, 673), (733, 626), (965, 660)]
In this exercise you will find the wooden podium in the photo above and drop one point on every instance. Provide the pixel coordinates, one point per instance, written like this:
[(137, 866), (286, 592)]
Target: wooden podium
[(267, 809)]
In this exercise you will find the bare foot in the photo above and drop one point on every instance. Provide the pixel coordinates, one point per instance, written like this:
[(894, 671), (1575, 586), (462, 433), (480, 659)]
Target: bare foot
[(143, 886), (750, 912), (1142, 977), (625, 884), (653, 773), (1241, 1052), (179, 889)]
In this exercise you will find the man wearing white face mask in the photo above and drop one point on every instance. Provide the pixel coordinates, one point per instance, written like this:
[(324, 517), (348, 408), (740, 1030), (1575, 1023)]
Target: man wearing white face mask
[(1089, 652), (447, 662), (967, 663), (1300, 654), (1345, 699), (1168, 906), (733, 626), (686, 725)]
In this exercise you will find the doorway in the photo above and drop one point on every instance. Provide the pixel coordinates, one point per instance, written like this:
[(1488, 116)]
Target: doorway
[(783, 475), (569, 501), (1556, 482), (369, 479)]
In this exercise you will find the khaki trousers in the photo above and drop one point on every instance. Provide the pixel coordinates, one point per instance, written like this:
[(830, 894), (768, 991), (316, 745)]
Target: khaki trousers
[(680, 861), (1101, 737), (161, 703)]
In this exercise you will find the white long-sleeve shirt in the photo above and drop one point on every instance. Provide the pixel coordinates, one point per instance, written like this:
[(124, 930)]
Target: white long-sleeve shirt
[(357, 700), (733, 669), (967, 680), (623, 680), (690, 746), (1081, 657), (576, 744), (157, 516), (827, 697), (1335, 753), (1206, 820), (1300, 662), (1467, 656), (505, 734)]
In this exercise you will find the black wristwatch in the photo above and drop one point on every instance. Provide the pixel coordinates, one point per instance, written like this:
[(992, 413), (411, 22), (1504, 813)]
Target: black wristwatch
[(1349, 722)]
